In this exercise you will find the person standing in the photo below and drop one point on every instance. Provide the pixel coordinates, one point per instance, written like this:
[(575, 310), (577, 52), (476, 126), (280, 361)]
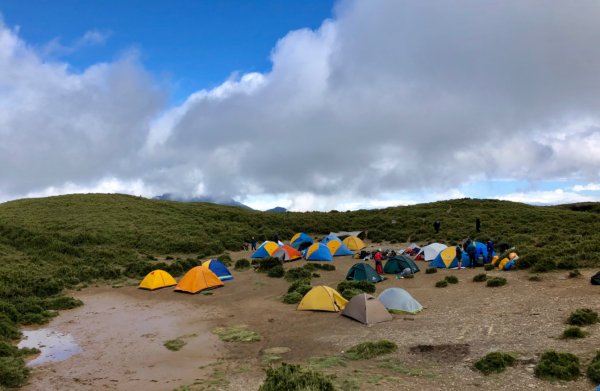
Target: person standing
[(490, 251), (459, 256), (478, 225), (472, 251), (378, 264), (437, 225), (253, 243)]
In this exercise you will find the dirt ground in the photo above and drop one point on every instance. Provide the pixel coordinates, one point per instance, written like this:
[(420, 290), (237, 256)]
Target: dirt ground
[(122, 331)]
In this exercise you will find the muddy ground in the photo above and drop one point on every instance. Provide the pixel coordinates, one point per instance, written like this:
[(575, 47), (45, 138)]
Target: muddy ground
[(121, 331)]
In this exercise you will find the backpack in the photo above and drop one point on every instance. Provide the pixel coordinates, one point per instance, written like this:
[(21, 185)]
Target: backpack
[(596, 279)]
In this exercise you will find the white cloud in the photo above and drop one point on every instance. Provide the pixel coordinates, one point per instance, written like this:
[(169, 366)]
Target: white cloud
[(550, 197), (410, 98), (55, 48), (588, 187)]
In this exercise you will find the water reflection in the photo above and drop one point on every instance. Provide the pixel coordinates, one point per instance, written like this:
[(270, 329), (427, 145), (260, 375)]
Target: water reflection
[(54, 346)]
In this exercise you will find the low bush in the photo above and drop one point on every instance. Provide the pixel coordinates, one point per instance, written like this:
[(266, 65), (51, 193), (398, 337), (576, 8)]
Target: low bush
[(431, 270), (319, 266), (528, 260), (292, 298), (496, 281), (441, 284), (276, 272), (583, 317), (8, 349), (480, 277), (535, 278), (451, 279), (567, 264), (225, 259), (61, 303), (361, 286), (174, 344), (574, 273), (242, 264), (13, 372), (488, 267), (8, 329), (349, 293), (558, 366), (543, 266), (299, 285), (495, 362), (291, 377), (367, 350), (298, 273), (266, 264), (573, 332), (236, 334), (593, 371)]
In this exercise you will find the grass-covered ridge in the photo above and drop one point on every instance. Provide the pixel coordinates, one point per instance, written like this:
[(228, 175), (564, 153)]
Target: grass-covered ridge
[(49, 244)]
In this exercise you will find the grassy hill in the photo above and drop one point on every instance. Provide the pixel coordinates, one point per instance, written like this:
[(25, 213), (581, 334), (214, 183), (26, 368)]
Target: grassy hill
[(49, 244)]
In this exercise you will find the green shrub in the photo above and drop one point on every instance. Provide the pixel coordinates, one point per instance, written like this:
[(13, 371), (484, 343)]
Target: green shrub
[(535, 278), (299, 285), (558, 366), (583, 317), (242, 264), (236, 334), (13, 372), (349, 293), (573, 332), (567, 264), (291, 377), (8, 329), (362, 286), (496, 281), (431, 270), (8, 349), (174, 344), (292, 298), (61, 303), (298, 273), (367, 350), (488, 267), (480, 277), (266, 264), (526, 261), (451, 279), (276, 272), (574, 273), (593, 371), (495, 362), (543, 266), (441, 284)]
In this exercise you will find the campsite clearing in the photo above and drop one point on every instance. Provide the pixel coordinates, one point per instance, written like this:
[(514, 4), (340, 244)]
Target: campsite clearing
[(121, 332)]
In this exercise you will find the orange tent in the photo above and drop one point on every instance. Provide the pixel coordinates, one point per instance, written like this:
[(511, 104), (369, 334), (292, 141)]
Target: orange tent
[(198, 279)]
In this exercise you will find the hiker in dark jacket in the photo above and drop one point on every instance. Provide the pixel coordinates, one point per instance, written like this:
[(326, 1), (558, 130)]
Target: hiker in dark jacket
[(490, 250), (478, 225), (459, 256), (437, 225), (472, 251)]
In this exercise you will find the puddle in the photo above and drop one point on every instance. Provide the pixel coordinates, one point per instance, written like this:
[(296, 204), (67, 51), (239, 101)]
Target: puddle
[(54, 346)]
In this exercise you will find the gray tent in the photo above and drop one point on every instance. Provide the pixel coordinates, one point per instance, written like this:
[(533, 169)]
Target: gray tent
[(399, 301), (366, 309)]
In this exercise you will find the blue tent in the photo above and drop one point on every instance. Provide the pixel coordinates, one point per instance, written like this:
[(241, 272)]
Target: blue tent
[(318, 252), (329, 238), (265, 250), (480, 248), (219, 269), (300, 241), (338, 248)]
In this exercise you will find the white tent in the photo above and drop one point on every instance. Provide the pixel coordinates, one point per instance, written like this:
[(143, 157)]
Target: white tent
[(432, 250), (397, 299)]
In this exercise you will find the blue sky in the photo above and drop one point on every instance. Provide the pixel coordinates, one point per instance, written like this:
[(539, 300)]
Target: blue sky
[(309, 105)]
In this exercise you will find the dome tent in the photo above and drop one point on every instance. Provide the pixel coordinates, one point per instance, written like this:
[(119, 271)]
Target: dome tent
[(400, 301), (366, 309), (219, 269), (322, 298), (157, 279)]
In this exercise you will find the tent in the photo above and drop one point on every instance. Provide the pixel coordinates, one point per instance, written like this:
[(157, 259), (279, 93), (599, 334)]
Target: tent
[(287, 253), (338, 248), (300, 241), (366, 309), (322, 298), (157, 279), (344, 234), (354, 243), (265, 250), (329, 238), (432, 250), (318, 252), (396, 264), (480, 248), (198, 279), (219, 269), (399, 300), (363, 272), (446, 259)]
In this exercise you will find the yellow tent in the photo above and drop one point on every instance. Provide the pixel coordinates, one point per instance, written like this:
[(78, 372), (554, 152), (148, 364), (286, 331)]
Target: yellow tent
[(322, 298), (198, 279), (157, 279), (354, 243)]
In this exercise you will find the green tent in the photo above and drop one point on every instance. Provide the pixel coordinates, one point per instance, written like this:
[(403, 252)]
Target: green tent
[(396, 264), (363, 272)]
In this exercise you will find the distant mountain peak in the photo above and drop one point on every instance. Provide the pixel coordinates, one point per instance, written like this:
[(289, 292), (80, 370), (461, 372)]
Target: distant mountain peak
[(277, 209)]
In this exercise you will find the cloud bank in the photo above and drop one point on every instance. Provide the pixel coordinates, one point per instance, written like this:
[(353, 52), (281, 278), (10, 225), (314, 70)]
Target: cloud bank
[(384, 98)]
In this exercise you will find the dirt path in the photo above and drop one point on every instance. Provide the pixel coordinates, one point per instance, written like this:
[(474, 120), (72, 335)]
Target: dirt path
[(122, 332)]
